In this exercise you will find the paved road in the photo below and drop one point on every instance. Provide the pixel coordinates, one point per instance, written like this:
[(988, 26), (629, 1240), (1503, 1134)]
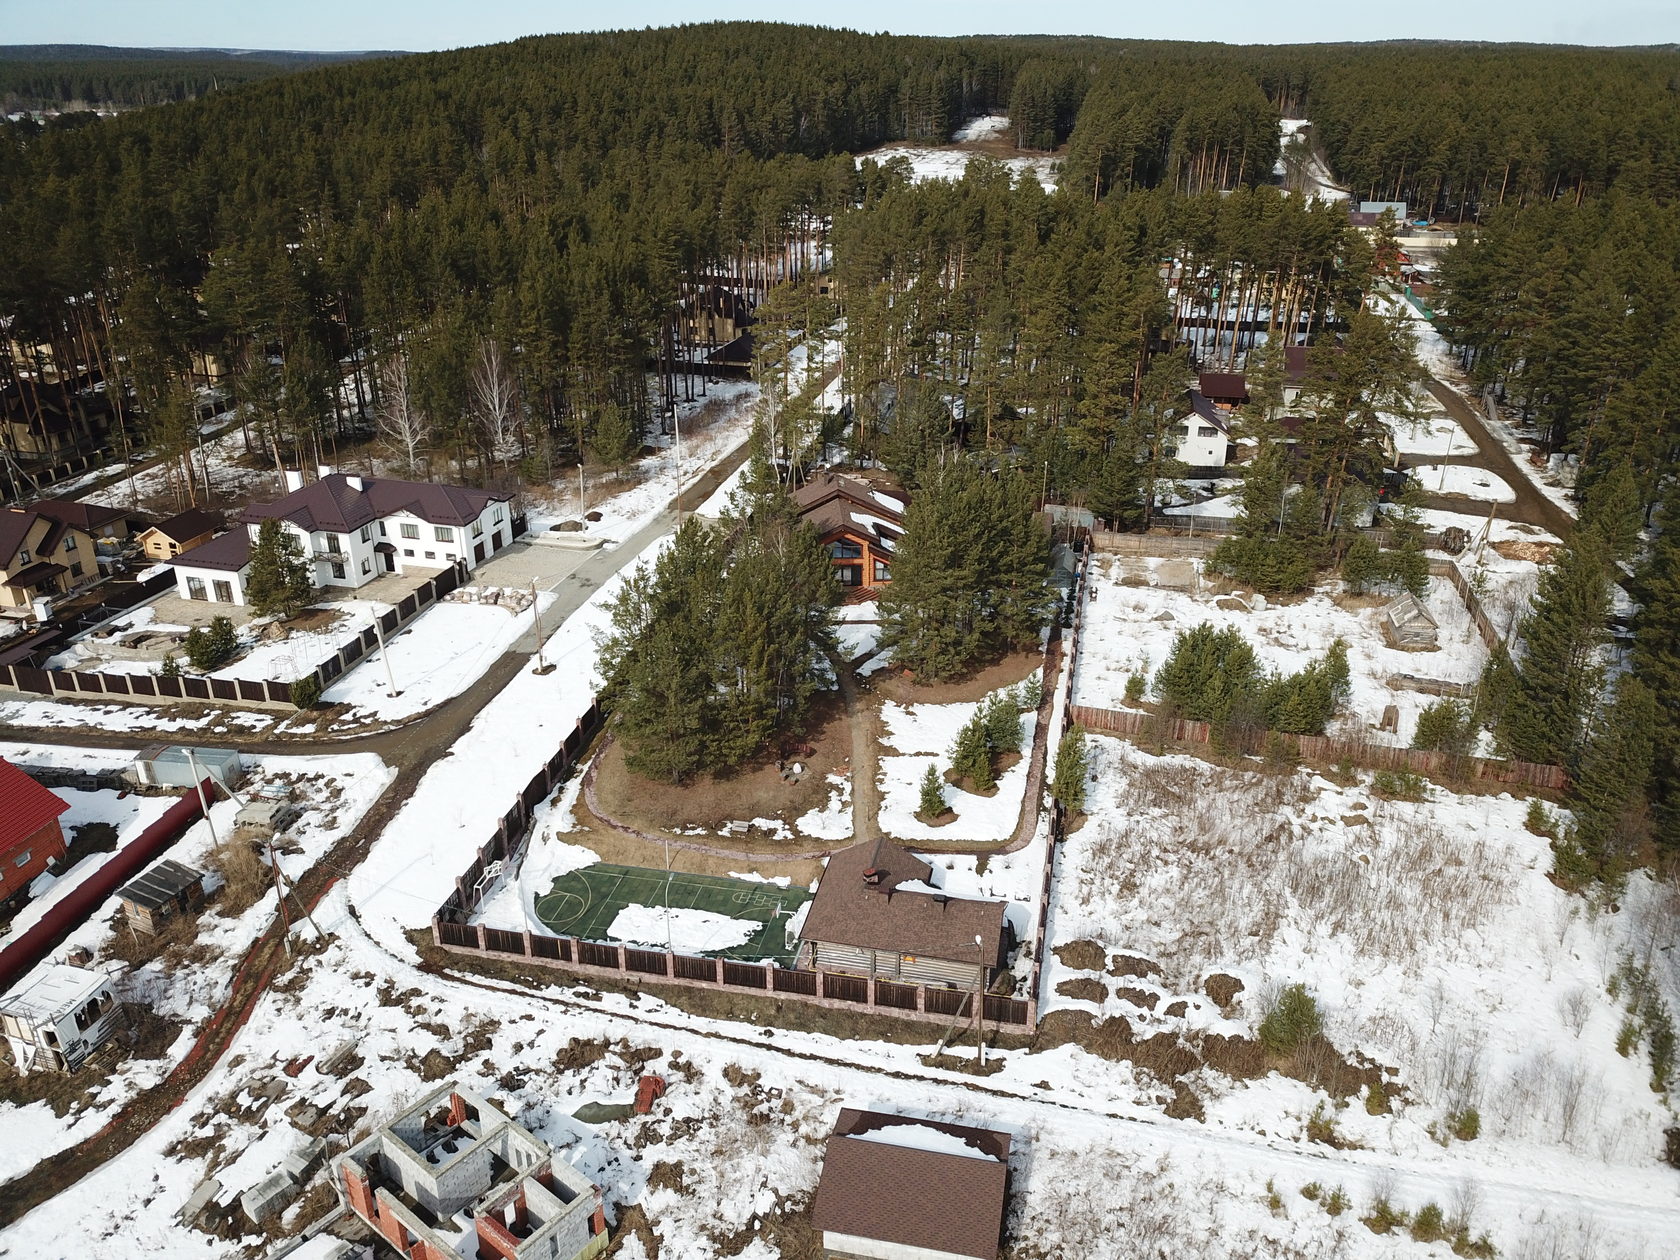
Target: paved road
[(1530, 507)]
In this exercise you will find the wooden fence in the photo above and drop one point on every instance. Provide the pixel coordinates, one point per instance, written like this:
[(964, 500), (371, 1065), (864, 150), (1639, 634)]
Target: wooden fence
[(1327, 750), (156, 687), (452, 931)]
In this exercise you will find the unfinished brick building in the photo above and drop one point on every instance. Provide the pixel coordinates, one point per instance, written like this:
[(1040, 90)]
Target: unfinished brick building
[(453, 1177)]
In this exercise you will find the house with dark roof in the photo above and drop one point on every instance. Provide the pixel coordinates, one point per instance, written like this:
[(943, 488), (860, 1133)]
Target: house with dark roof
[(903, 1188), (41, 557), (877, 913), (30, 836), (858, 524), (168, 539), (103, 524), (353, 530), (716, 316)]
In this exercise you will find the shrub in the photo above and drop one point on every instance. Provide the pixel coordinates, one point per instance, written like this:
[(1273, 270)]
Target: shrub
[(1445, 726), (1473, 1248), (1384, 1217), (1267, 564), (1321, 1128), (1572, 866), (1400, 785), (1376, 1100), (1465, 1124), (171, 666), (1274, 1200), (1430, 1224), (208, 648), (1338, 1202), (971, 759), (1292, 1021), (932, 802), (1136, 685), (1031, 693), (1538, 820), (1312, 1190), (306, 691)]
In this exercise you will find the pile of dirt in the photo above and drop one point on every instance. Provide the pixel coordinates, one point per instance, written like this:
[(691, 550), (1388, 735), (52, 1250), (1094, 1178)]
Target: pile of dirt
[(1533, 552)]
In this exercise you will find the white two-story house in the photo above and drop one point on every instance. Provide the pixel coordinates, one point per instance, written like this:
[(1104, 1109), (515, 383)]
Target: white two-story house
[(353, 530)]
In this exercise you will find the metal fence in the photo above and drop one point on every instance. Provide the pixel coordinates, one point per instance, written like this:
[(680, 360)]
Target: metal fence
[(85, 683)]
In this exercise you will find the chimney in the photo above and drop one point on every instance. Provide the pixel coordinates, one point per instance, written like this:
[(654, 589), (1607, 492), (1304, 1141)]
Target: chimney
[(354, 481), (323, 471), (294, 479), (872, 876)]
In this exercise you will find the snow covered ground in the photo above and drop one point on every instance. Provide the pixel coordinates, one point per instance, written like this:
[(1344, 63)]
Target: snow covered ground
[(337, 792), (983, 128), (924, 734), (933, 162), (131, 718), (1431, 436), (1132, 628), (1469, 483), (1314, 176)]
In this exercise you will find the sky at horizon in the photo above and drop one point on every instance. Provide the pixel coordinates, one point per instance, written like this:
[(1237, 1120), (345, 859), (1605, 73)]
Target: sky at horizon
[(428, 25)]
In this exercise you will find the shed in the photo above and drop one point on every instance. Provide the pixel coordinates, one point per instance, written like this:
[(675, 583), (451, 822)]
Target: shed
[(60, 1018), (172, 765), (263, 818), (158, 895), (1408, 625)]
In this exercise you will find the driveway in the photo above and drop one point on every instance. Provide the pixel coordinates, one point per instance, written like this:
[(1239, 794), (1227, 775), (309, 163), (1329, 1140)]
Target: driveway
[(1531, 507)]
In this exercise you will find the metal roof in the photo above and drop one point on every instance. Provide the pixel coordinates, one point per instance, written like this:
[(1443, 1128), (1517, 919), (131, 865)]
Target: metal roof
[(58, 989), (25, 806), (161, 885)]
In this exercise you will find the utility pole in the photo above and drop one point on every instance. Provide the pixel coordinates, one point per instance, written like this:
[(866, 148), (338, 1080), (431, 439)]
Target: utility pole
[(204, 805), (980, 1000), (583, 504), (280, 898), (542, 666), (385, 652)]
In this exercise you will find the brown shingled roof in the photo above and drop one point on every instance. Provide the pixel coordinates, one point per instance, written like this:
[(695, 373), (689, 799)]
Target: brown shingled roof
[(335, 504), (848, 911), (89, 517), (189, 524), (914, 1198)]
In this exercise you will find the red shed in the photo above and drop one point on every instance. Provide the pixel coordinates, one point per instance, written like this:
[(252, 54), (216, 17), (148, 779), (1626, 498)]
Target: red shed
[(30, 837)]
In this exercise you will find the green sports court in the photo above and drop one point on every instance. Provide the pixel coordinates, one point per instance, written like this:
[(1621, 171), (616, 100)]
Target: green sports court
[(583, 903)]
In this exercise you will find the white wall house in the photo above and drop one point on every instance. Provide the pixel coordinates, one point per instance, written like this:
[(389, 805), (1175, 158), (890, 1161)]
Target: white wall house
[(354, 530), (1203, 437)]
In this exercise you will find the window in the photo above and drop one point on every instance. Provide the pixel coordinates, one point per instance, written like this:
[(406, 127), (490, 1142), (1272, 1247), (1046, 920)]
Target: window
[(883, 571), (195, 588), (23, 556), (224, 592), (75, 568), (70, 543), (333, 547), (22, 859), (845, 550), (450, 556), (478, 529), (409, 552), (382, 529), (442, 533), (337, 569), (410, 530), (431, 555), (1206, 430), (498, 517), (174, 549), (367, 566), (849, 574), (367, 533)]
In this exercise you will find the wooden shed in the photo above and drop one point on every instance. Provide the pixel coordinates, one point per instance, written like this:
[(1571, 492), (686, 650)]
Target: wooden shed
[(159, 894), (1407, 624)]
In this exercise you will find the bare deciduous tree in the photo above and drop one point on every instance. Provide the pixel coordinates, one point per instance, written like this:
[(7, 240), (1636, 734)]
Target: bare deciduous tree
[(496, 403), (399, 417)]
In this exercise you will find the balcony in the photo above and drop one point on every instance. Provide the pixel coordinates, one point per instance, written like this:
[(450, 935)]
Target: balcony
[(334, 557)]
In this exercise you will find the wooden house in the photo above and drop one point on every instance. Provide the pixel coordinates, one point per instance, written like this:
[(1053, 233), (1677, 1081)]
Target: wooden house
[(1408, 625), (858, 523), (877, 913), (41, 558), (180, 533), (160, 894)]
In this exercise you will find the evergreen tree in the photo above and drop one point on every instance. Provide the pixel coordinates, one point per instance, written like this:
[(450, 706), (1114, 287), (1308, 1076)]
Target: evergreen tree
[(1612, 507), (208, 647), (280, 581), (1067, 785), (971, 758), (1446, 726), (1656, 661), (1002, 718), (1207, 671), (931, 801), (1608, 794), (1560, 672)]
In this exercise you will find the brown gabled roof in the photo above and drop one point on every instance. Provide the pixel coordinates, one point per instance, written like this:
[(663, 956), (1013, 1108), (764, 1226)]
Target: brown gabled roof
[(189, 524), (15, 524), (829, 486), (1294, 364), (32, 574), (1223, 385), (230, 551), (943, 1202), (335, 504), (88, 517), (848, 911)]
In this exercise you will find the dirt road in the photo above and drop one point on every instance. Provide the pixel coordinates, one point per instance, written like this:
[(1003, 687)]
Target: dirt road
[(1531, 507)]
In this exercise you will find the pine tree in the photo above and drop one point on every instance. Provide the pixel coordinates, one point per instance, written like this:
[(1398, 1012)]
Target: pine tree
[(1207, 671), (1656, 661), (1067, 785), (931, 802), (971, 759), (279, 582), (1560, 672), (1608, 796), (1002, 718), (1613, 508)]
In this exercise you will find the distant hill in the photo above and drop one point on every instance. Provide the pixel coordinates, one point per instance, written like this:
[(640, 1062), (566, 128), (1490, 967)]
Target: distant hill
[(96, 76)]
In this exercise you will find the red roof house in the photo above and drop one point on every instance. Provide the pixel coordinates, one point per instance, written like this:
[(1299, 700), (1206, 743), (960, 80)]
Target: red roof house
[(30, 837)]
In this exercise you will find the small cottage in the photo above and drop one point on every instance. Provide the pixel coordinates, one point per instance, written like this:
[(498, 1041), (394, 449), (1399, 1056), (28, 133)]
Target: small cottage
[(30, 836), (180, 533), (894, 1187), (1408, 625)]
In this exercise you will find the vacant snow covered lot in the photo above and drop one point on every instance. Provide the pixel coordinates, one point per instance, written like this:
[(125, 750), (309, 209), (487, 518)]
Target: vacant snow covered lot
[(1131, 628), (1428, 932)]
